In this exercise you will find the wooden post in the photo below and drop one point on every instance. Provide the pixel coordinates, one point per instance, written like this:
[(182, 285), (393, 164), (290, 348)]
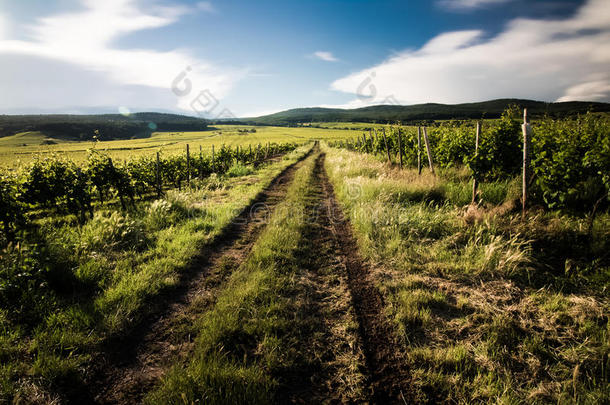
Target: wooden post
[(428, 150), (418, 150), (527, 133), (213, 162), (387, 148), (267, 151), (158, 176), (188, 166), (400, 147), (475, 184)]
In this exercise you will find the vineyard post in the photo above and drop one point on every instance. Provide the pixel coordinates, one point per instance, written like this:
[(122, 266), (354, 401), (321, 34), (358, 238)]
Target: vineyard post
[(158, 176), (527, 133), (250, 154), (387, 148), (418, 150), (213, 162), (267, 151), (475, 184), (188, 166), (400, 147), (428, 150)]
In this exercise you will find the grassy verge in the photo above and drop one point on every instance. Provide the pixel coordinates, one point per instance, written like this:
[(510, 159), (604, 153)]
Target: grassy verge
[(251, 346), (82, 284), (489, 308)]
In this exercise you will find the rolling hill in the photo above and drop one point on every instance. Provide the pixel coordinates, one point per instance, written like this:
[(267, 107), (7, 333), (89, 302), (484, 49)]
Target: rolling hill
[(424, 112), (103, 126)]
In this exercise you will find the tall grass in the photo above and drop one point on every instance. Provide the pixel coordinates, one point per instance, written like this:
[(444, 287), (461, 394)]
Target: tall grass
[(489, 308)]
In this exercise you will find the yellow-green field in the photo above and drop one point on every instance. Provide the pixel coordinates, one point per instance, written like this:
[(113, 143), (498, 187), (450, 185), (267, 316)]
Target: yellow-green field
[(22, 148)]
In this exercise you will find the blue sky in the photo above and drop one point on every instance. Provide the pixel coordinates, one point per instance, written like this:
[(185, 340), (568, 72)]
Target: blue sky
[(245, 58)]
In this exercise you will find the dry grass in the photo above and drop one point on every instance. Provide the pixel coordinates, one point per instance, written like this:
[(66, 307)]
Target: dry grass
[(485, 311)]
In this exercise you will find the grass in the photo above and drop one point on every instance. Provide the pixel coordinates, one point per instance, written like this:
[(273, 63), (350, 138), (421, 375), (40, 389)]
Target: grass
[(262, 338), (22, 148), (244, 341), (489, 308), (81, 285)]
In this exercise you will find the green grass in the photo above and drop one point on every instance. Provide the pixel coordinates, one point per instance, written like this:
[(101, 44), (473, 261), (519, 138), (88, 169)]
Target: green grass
[(80, 285), (22, 148), (489, 308), (249, 338)]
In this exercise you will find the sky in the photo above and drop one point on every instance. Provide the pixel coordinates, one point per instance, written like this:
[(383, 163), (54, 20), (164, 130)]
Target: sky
[(243, 58)]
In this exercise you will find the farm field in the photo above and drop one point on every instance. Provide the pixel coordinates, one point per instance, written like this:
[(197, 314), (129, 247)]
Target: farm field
[(22, 148), (313, 271), (305, 202)]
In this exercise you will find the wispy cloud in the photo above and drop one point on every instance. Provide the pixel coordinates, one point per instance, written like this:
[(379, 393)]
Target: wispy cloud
[(206, 6), (3, 27), (468, 4), (325, 56), (562, 59), (84, 39)]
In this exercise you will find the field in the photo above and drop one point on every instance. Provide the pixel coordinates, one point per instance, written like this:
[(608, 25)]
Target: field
[(21, 148), (326, 269)]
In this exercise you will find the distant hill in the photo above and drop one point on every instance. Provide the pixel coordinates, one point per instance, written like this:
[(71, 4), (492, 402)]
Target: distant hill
[(104, 126), (424, 112)]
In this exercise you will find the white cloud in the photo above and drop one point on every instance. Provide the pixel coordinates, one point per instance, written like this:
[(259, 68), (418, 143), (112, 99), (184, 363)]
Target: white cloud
[(325, 56), (548, 60), (206, 6), (468, 4), (3, 27), (84, 39), (596, 90)]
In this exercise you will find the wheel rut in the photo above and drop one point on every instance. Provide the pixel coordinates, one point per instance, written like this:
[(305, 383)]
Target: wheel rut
[(387, 374), (133, 364), (331, 364)]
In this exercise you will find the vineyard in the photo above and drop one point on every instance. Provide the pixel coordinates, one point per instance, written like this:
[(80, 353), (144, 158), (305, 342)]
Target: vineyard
[(383, 264), (570, 157), (55, 182)]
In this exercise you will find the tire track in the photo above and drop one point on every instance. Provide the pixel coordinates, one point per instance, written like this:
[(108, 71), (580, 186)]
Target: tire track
[(331, 361), (132, 364), (388, 376)]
